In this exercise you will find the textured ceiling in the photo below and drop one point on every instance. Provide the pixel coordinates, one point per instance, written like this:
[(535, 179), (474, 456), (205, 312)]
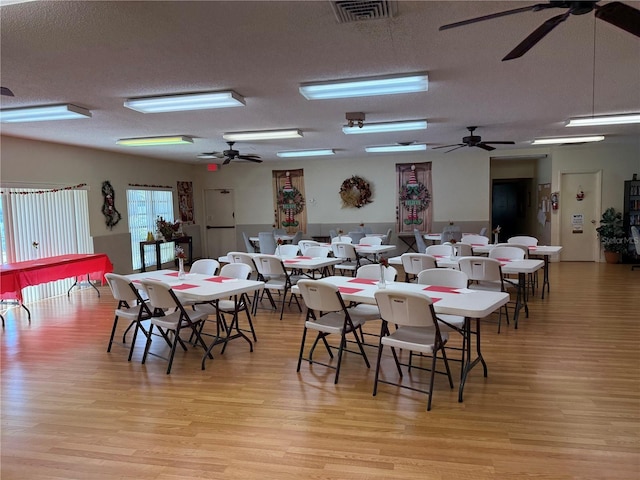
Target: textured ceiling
[(96, 54)]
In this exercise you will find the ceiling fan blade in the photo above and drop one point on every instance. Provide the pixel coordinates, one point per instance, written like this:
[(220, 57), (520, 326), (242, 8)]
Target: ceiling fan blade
[(535, 8), (447, 146), (537, 35), (6, 91), (456, 148), (251, 158), (621, 15), (500, 143), (226, 161), (484, 146)]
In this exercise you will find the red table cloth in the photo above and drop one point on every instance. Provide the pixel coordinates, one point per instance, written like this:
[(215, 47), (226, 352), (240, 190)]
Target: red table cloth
[(15, 276)]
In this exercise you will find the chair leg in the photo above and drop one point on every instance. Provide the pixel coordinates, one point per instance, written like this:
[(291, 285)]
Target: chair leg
[(124, 335), (304, 336), (343, 340), (113, 332), (147, 345), (375, 382)]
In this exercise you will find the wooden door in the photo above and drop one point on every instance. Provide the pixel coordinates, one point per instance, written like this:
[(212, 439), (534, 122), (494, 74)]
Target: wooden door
[(579, 218)]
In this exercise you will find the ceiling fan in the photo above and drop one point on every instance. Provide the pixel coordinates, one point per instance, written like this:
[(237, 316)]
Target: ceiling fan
[(231, 154), (616, 13), (473, 141), (6, 91)]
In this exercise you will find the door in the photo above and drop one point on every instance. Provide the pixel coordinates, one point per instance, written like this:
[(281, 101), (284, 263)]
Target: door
[(508, 207), (579, 218), (221, 224)]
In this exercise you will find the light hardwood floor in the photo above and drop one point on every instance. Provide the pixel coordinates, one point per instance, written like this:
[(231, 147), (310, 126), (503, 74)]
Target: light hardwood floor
[(562, 400)]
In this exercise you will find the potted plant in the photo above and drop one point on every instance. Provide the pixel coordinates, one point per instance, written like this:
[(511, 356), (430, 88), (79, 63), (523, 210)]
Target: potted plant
[(612, 235)]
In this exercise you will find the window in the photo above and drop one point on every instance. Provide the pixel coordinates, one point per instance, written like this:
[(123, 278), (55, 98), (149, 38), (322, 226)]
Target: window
[(144, 207), (57, 221)]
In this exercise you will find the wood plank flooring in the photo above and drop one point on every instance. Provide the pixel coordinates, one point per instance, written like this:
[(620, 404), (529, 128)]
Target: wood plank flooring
[(562, 399)]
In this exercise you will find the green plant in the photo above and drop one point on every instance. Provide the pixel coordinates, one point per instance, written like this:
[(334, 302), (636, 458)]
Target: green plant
[(612, 235)]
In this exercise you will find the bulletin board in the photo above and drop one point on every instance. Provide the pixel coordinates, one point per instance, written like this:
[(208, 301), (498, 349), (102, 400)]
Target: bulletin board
[(544, 203)]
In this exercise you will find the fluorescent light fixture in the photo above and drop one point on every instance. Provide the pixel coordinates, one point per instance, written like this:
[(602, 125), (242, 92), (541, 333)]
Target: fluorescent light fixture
[(185, 101), (365, 87), (306, 153), (262, 135), (414, 147), (604, 120), (39, 114), (553, 141), (386, 127), (155, 141)]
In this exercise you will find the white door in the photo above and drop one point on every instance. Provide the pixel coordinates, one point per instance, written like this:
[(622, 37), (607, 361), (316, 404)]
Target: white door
[(221, 224), (579, 218)]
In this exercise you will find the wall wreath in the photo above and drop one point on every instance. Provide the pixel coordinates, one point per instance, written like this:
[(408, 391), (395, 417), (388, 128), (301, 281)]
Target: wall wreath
[(355, 192)]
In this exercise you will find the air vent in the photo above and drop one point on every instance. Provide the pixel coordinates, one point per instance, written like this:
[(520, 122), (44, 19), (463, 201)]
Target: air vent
[(356, 11)]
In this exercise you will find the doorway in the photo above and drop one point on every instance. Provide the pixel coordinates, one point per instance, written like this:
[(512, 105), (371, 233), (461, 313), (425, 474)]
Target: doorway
[(579, 218), (510, 203), (221, 223)]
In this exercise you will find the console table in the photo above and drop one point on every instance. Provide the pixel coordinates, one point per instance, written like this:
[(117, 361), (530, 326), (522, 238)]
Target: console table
[(178, 241)]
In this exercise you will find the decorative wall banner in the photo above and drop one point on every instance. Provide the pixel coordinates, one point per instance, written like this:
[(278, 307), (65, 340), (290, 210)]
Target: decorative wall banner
[(288, 189), (414, 200), (111, 215), (185, 201)]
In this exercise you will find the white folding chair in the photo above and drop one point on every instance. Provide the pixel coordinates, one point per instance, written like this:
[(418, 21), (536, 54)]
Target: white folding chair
[(287, 251), (327, 314), (275, 277), (414, 263), (347, 253), (205, 266), (439, 250), (417, 330), (474, 240), (304, 244)]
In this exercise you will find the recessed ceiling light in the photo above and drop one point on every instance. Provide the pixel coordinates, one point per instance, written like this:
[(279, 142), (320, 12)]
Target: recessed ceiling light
[(43, 113), (185, 101), (553, 141), (386, 127), (414, 147), (306, 153), (155, 141), (262, 135), (604, 120), (364, 87)]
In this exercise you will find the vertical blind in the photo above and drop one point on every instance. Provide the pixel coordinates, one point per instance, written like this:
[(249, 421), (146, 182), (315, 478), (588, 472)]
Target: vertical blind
[(144, 207), (58, 221)]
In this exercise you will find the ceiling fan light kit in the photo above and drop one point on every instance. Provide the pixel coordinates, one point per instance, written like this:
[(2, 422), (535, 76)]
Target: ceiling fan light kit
[(185, 101), (365, 87), (155, 141), (622, 119), (384, 127), (43, 113), (414, 147), (262, 135), (561, 140), (306, 153)]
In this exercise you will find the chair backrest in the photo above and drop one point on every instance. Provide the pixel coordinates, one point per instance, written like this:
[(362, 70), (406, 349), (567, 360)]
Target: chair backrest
[(267, 243), (524, 240), (160, 294), (332, 234), (460, 249), (483, 231), (443, 277), (241, 257), (370, 241), (296, 237), (451, 232), (387, 238), (342, 238), (241, 271), (406, 309), (481, 268), (205, 266), (473, 239), (304, 244), (121, 288), (524, 248), (344, 250), (247, 244), (269, 265), (440, 250), (356, 236), (512, 253), (636, 238), (420, 245), (372, 272), (316, 251), (287, 250), (414, 263), (321, 296)]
